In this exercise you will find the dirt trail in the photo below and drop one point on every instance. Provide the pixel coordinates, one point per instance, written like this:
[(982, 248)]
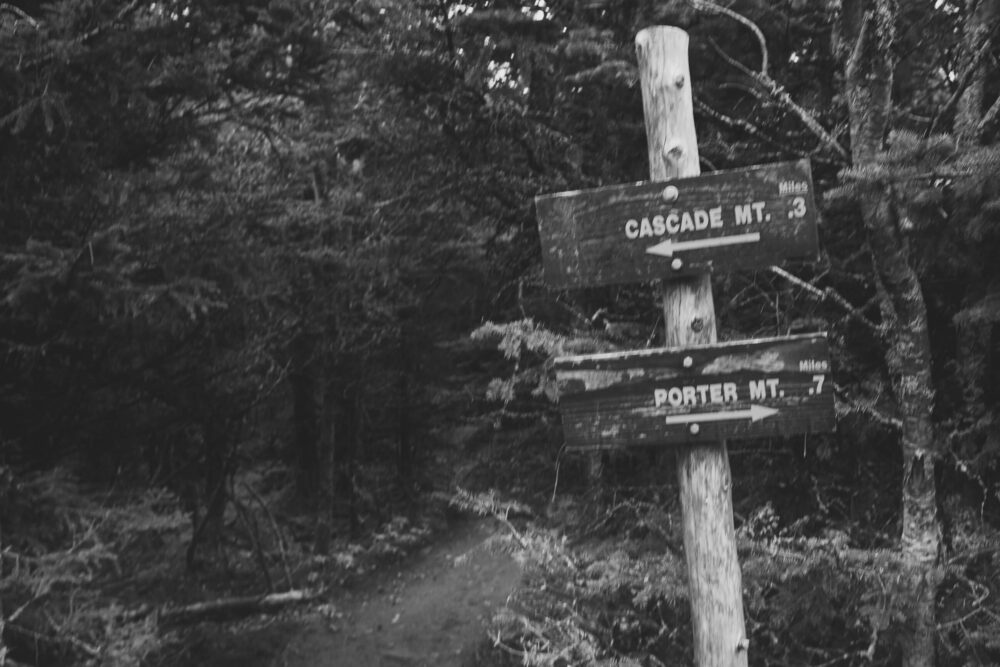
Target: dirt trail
[(431, 609)]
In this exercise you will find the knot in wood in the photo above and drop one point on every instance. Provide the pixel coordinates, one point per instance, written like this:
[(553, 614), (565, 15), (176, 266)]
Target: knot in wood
[(697, 324), (673, 150)]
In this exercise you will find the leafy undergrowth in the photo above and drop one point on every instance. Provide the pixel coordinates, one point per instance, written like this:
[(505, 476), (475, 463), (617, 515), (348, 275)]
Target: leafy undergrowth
[(90, 578), (605, 584)]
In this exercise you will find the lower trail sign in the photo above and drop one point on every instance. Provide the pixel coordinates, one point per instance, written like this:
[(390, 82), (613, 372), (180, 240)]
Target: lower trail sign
[(744, 389)]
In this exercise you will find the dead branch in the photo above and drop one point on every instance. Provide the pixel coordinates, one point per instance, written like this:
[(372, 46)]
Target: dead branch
[(739, 18), (738, 124), (780, 95), (228, 608), (832, 295)]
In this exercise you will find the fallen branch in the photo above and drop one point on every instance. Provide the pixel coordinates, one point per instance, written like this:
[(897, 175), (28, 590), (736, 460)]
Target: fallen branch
[(227, 608)]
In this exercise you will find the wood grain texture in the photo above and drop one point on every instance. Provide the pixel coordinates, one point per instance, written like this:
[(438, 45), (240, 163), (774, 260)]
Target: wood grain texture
[(714, 578), (585, 233), (609, 400)]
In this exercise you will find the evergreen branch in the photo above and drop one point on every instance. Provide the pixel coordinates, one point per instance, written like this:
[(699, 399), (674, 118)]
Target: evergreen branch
[(725, 11), (964, 80), (780, 95), (832, 295), (87, 36)]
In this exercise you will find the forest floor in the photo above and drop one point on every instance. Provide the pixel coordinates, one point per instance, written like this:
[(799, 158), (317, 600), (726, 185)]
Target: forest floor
[(431, 608)]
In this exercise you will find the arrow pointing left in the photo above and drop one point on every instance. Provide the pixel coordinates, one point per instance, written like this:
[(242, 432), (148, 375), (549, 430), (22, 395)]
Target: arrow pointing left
[(669, 247)]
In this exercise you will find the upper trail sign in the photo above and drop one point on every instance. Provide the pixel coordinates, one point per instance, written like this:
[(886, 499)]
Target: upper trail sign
[(745, 218)]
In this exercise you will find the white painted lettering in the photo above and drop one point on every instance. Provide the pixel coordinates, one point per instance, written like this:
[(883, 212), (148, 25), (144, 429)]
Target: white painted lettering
[(659, 397), (758, 208), (674, 395), (658, 227), (715, 392), (700, 219), (687, 224), (756, 389), (729, 392), (742, 212), (645, 229), (689, 397), (632, 229), (715, 217), (772, 385), (672, 221), (703, 392)]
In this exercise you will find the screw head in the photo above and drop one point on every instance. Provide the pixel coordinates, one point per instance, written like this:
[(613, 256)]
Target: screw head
[(676, 263), (694, 428), (688, 361), (671, 193)]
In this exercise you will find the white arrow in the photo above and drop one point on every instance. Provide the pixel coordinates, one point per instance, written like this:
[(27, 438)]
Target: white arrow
[(669, 247), (754, 414)]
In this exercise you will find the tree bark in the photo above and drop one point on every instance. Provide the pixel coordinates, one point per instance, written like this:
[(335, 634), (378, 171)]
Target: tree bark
[(305, 416), (714, 577), (404, 444), (973, 341), (326, 473), (979, 18), (870, 24), (346, 451)]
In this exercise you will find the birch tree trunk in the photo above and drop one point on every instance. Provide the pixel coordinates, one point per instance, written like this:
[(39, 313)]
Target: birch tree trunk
[(869, 27)]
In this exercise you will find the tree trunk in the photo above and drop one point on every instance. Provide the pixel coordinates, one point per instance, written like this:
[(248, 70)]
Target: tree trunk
[(345, 452), (208, 531), (404, 459), (973, 341), (870, 26), (325, 472), (305, 416), (979, 19)]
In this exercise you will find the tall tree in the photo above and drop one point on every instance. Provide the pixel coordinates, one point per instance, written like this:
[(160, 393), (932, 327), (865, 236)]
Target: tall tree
[(870, 29)]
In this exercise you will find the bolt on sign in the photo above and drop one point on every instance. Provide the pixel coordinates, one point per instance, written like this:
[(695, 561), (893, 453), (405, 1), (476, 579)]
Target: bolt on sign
[(741, 389), (744, 218)]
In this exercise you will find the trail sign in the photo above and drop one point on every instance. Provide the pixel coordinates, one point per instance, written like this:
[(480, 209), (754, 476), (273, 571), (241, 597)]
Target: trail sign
[(742, 389), (744, 218)]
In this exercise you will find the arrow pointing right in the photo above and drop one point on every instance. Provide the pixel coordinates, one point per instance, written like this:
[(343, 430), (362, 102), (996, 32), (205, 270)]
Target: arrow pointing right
[(754, 414)]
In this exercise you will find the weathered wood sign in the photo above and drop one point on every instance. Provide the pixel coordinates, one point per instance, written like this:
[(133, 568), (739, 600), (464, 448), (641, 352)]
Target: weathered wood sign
[(744, 218), (744, 389)]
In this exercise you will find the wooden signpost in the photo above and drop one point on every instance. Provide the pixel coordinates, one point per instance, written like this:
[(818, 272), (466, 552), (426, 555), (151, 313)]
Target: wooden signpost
[(726, 220), (743, 389), (695, 392)]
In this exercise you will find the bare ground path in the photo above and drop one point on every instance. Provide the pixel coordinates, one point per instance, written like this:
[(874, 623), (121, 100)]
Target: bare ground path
[(428, 610)]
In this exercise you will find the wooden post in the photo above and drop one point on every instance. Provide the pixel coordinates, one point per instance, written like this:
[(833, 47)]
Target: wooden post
[(714, 578)]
